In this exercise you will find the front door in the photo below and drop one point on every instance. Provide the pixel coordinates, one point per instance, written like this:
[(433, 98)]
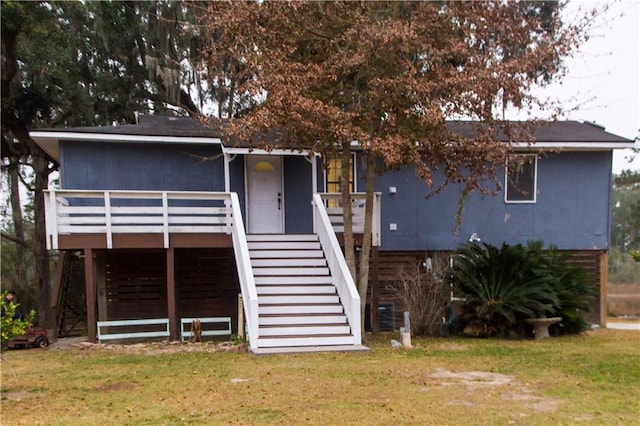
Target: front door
[(265, 199)]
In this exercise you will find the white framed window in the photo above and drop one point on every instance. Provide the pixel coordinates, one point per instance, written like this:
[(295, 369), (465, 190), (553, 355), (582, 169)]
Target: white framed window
[(333, 172), (521, 178), (332, 175)]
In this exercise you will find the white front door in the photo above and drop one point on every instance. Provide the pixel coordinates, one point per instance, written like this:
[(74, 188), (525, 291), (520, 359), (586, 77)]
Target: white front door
[(265, 201)]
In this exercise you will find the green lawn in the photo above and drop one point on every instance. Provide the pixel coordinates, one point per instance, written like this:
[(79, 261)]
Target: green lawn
[(588, 379)]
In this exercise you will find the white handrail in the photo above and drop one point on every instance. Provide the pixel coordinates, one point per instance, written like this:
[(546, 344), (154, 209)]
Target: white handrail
[(157, 216), (337, 265), (358, 211), (245, 273)]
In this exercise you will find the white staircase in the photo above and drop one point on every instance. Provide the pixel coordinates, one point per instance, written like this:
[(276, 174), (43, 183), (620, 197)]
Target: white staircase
[(298, 305)]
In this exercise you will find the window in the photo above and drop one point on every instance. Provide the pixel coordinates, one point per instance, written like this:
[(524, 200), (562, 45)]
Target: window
[(333, 173), (332, 178), (521, 177)]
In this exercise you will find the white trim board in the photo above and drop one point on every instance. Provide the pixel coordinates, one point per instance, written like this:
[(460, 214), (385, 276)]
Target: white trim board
[(257, 151), (50, 141), (121, 137)]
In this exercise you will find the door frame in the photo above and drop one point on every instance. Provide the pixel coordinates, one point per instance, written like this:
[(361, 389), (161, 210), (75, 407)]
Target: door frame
[(248, 172)]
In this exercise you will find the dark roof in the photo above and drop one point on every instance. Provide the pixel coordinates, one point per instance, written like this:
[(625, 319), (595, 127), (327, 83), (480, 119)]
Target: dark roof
[(548, 131), (153, 125)]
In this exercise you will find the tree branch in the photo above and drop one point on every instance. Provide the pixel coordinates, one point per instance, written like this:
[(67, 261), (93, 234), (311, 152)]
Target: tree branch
[(15, 239)]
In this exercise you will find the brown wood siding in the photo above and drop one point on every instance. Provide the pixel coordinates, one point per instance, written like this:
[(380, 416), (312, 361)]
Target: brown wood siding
[(389, 263), (136, 283), (139, 241), (207, 283), (590, 260)]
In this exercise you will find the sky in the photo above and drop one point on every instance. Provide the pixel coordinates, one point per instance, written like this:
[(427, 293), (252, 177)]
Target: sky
[(603, 78)]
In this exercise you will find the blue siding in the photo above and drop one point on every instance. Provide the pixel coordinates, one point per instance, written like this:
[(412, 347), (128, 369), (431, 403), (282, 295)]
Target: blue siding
[(136, 166), (237, 182), (298, 214), (572, 209)]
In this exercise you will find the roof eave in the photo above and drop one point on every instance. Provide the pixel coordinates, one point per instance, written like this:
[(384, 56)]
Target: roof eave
[(572, 146), (50, 141)]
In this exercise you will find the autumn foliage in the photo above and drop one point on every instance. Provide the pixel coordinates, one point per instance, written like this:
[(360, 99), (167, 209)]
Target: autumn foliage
[(388, 74)]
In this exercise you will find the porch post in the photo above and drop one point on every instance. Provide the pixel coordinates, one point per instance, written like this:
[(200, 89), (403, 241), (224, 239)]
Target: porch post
[(604, 281), (90, 282), (314, 173), (101, 285), (227, 179), (171, 295), (375, 297)]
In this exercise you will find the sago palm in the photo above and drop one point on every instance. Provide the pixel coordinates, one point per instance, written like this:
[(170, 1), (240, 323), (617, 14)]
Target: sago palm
[(498, 288)]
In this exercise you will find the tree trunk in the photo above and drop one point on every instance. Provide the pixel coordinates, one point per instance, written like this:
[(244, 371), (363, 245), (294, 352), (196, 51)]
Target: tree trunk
[(363, 279), (349, 246), (40, 253), (20, 284)]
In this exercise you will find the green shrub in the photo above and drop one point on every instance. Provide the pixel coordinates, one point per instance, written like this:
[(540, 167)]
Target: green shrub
[(499, 290), (9, 326), (504, 286), (572, 284)]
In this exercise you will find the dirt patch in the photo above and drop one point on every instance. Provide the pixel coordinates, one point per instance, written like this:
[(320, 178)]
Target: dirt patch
[(16, 396), (157, 348), (479, 383), (66, 343), (472, 378)]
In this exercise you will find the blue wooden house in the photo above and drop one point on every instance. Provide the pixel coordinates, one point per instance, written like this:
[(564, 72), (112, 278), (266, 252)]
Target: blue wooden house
[(175, 224)]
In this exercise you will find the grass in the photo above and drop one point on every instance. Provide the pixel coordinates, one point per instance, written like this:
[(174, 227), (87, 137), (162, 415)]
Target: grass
[(591, 379)]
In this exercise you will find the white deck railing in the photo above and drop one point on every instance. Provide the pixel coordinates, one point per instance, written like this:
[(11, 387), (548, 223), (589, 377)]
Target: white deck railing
[(245, 273), (145, 212), (71, 212), (338, 266), (332, 202)]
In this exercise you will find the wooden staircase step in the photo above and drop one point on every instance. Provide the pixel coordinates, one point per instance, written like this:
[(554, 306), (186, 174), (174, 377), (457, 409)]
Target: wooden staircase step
[(304, 330), (335, 308), (285, 254), (266, 280), (298, 299), (290, 271), (295, 289), (300, 319), (283, 245), (295, 262), (282, 237), (298, 341)]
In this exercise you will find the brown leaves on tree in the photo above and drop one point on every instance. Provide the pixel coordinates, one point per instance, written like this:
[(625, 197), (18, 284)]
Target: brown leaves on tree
[(388, 75)]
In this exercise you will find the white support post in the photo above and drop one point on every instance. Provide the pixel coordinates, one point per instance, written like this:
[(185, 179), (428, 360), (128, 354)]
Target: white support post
[(165, 219), (227, 179), (229, 220), (107, 218), (314, 175), (52, 222), (314, 184), (375, 228)]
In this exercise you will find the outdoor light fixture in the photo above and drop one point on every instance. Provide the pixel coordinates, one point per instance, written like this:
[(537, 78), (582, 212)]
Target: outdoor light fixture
[(263, 166), (474, 238)]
